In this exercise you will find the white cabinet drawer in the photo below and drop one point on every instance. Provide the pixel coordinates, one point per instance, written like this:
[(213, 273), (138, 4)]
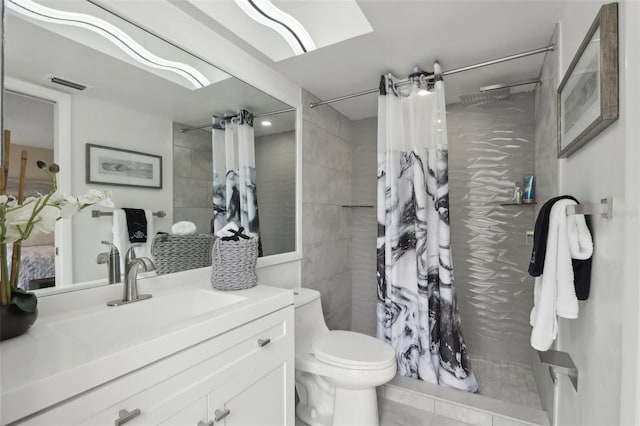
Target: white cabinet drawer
[(170, 386), (257, 397)]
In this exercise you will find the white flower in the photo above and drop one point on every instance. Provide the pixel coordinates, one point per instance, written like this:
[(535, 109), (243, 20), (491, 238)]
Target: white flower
[(38, 215)]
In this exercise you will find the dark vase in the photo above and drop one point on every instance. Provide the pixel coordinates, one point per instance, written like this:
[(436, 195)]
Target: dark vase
[(14, 321)]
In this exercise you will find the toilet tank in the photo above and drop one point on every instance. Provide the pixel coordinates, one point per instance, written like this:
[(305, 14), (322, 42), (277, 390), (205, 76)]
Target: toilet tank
[(309, 320)]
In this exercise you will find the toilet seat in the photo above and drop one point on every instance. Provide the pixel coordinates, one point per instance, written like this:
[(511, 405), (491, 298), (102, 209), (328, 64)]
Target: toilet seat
[(351, 350)]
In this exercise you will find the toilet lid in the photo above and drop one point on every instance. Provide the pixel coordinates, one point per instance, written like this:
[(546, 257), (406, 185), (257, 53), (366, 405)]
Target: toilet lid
[(352, 350)]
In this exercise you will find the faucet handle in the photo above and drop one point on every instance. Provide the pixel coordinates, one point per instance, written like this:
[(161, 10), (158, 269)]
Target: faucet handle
[(131, 253), (113, 249)]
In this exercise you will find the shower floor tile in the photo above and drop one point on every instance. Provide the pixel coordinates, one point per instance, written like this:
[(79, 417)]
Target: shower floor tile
[(506, 381), (393, 413)]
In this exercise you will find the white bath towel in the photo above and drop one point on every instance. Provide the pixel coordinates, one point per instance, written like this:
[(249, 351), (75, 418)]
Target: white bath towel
[(554, 293), (121, 236)]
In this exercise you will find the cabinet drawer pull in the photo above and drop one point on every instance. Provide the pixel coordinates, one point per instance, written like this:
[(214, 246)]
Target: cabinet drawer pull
[(219, 415), (263, 342), (124, 416), (201, 423)]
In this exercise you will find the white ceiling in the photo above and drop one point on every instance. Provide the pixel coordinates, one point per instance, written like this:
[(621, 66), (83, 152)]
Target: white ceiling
[(410, 33), (346, 18)]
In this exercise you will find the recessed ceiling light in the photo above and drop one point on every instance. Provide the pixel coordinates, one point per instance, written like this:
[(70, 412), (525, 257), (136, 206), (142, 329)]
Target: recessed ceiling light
[(265, 13), (112, 33), (266, 123)]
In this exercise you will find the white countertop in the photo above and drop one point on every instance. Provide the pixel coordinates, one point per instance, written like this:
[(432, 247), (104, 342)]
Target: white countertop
[(57, 360)]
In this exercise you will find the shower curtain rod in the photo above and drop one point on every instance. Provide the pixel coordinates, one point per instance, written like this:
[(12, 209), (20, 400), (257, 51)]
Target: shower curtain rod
[(449, 72), (264, 114)]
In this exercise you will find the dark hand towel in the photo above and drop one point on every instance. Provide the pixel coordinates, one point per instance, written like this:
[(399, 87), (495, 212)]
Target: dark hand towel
[(581, 268), (540, 234), (136, 225)]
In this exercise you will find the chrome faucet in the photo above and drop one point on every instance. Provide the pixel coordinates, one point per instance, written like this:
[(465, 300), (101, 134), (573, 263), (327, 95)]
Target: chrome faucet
[(130, 288), (112, 259), (128, 259)]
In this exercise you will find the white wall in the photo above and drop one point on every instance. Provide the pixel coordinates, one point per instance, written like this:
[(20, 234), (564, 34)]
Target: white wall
[(606, 166), (103, 123)]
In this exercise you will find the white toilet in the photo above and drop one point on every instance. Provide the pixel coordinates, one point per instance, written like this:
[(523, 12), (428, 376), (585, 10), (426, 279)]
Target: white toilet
[(336, 371)]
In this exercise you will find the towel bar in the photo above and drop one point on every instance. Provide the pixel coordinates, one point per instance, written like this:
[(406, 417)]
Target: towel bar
[(99, 213), (604, 208)]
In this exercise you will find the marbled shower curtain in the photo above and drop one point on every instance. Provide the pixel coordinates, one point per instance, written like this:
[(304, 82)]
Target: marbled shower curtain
[(417, 308), (234, 174)]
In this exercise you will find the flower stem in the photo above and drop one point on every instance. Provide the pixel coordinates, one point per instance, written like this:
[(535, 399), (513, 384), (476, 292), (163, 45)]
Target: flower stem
[(4, 275), (16, 256)]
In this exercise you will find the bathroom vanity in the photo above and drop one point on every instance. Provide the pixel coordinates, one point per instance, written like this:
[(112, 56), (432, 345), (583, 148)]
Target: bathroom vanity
[(189, 355)]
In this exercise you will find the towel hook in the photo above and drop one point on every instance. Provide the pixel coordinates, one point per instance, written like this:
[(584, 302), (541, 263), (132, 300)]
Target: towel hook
[(604, 208)]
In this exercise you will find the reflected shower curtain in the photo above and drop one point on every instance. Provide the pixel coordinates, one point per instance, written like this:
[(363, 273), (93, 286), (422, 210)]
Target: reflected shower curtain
[(417, 309), (234, 174)]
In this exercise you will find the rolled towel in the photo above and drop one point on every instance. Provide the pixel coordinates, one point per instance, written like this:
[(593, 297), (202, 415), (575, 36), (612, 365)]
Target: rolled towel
[(228, 230), (183, 228)]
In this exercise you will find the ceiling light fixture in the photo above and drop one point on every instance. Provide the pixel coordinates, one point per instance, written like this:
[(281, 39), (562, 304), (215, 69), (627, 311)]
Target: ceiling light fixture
[(111, 33), (266, 123), (265, 13)]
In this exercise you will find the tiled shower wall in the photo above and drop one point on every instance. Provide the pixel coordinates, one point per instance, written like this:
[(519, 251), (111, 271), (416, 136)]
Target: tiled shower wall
[(326, 184), (490, 147), (364, 227)]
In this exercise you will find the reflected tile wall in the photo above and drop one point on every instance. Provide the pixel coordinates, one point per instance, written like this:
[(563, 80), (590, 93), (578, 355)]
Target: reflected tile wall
[(276, 187), (491, 147), (192, 177)]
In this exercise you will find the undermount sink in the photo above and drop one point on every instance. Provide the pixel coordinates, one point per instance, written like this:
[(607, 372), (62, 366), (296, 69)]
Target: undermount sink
[(135, 321)]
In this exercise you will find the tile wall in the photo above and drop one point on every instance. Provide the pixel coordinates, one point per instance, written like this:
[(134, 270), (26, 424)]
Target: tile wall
[(326, 187)]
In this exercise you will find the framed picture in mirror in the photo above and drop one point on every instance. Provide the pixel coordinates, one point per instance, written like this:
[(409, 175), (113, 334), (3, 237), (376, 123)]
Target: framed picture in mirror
[(122, 167), (588, 94)]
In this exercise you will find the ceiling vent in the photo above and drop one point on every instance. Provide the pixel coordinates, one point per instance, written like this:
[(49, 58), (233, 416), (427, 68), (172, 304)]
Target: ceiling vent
[(66, 83)]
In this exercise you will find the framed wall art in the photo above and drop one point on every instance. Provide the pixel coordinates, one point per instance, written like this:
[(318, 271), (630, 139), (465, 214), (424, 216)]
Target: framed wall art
[(588, 94), (114, 166)]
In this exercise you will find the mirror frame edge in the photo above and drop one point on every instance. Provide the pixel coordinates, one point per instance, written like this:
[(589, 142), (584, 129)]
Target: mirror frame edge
[(3, 26), (62, 155)]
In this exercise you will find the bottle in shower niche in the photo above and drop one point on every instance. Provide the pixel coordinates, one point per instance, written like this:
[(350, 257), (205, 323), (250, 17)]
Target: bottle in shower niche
[(516, 197), (528, 196)]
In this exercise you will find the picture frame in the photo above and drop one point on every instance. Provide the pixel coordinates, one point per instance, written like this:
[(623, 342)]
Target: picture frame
[(122, 167), (588, 97)]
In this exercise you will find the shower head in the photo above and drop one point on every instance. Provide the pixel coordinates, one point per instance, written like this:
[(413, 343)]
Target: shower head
[(487, 94), (494, 93)]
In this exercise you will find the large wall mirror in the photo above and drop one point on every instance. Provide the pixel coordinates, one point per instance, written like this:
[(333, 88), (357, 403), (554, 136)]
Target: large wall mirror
[(67, 87)]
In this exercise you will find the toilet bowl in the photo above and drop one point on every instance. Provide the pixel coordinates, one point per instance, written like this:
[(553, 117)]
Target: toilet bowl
[(336, 371)]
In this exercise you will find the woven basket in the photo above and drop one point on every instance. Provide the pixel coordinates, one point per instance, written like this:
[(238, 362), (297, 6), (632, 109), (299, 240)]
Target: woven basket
[(234, 264), (175, 253)]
